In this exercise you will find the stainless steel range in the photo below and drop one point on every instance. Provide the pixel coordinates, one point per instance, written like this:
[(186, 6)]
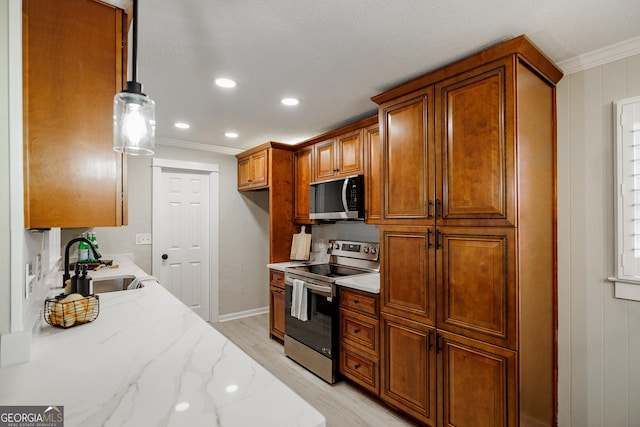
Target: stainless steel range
[(311, 304)]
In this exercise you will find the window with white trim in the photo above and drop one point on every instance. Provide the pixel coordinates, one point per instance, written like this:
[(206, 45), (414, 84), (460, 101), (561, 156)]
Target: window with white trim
[(627, 136)]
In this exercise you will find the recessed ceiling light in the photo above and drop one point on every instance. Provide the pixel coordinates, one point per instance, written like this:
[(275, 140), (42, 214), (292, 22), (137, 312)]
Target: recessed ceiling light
[(227, 83), (182, 125), (290, 101), (231, 134)]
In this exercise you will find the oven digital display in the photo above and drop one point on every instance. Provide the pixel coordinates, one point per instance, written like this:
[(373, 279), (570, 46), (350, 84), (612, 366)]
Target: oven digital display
[(350, 247)]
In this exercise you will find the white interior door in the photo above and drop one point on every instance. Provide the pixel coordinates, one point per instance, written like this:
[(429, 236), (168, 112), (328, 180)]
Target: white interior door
[(182, 233)]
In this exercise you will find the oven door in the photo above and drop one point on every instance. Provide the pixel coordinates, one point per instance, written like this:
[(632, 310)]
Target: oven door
[(320, 331)]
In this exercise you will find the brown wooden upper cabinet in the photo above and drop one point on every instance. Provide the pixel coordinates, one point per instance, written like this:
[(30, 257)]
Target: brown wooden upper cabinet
[(475, 129), (339, 156), (253, 171), (303, 170), (269, 167), (408, 159), (73, 65)]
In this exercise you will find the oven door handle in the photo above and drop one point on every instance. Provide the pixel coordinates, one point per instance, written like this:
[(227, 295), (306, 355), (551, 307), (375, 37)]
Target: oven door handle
[(320, 290)]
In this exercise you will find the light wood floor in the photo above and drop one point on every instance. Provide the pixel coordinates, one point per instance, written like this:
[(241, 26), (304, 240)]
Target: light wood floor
[(342, 404)]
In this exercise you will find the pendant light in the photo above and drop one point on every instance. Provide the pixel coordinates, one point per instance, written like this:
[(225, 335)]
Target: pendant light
[(133, 111)]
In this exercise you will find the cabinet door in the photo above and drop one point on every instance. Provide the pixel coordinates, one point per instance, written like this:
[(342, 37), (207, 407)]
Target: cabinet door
[(407, 125), (475, 143), (253, 171), (479, 383), (244, 172), (349, 156), (477, 293), (407, 286), (408, 378), (303, 168), (260, 169), (73, 65), (373, 174), (325, 160), (277, 312), (276, 304)]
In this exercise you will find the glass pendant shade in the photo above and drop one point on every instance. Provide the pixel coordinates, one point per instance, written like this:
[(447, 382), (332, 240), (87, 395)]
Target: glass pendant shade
[(133, 123)]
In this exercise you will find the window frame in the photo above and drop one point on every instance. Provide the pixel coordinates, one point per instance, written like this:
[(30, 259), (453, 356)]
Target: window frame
[(627, 285)]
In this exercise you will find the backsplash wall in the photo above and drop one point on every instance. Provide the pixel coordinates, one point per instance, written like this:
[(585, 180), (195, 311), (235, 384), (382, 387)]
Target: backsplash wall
[(346, 230)]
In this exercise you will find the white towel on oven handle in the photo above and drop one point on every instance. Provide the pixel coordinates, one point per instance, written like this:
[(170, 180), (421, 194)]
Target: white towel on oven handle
[(299, 300)]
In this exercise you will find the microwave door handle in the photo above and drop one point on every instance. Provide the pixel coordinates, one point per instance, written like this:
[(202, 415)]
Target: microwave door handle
[(345, 204)]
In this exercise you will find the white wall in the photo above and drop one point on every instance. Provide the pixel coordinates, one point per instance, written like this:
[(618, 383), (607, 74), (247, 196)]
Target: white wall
[(599, 335), (5, 225)]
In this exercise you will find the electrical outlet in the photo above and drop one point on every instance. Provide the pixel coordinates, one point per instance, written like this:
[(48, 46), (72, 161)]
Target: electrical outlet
[(143, 239)]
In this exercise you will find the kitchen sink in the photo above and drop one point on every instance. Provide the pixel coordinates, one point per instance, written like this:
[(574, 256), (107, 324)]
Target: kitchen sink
[(101, 286)]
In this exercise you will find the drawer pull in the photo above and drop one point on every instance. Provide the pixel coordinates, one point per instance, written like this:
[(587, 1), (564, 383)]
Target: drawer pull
[(356, 366), (355, 301), (356, 331)]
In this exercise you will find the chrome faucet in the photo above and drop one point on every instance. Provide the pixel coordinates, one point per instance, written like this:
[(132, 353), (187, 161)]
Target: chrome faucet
[(96, 254)]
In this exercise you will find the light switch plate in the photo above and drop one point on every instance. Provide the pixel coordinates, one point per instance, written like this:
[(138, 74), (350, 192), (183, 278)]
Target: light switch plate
[(143, 239)]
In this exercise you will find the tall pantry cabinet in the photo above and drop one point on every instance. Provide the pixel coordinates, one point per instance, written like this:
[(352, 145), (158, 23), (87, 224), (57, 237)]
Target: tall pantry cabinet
[(468, 235)]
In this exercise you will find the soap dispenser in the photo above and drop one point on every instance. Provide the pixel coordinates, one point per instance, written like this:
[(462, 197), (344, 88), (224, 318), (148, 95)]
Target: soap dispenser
[(74, 280), (84, 283)]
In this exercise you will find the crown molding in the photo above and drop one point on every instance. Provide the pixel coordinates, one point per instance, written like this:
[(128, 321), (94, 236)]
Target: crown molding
[(197, 146), (602, 56)]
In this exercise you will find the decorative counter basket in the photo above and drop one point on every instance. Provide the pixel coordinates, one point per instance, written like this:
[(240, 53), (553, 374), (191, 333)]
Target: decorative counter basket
[(66, 311)]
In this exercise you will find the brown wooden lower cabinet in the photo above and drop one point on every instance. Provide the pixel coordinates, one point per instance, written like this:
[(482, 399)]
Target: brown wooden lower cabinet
[(408, 380), (443, 379), (478, 383), (276, 304), (359, 336)]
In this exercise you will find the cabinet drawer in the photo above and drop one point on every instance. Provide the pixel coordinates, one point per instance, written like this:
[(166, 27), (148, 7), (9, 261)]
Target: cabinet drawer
[(276, 278), (359, 368), (362, 302), (359, 330)]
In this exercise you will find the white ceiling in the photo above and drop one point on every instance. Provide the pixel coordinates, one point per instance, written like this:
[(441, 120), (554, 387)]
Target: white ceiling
[(333, 55)]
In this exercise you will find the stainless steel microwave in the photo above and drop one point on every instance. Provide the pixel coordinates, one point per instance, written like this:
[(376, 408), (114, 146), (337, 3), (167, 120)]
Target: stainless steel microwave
[(341, 198)]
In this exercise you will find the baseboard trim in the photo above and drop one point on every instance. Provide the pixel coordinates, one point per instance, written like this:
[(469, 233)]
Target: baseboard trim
[(241, 314)]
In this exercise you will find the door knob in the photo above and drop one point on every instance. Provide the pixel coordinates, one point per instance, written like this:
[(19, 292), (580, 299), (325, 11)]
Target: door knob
[(165, 256)]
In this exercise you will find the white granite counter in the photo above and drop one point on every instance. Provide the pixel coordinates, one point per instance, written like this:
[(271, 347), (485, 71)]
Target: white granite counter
[(364, 282), (149, 360)]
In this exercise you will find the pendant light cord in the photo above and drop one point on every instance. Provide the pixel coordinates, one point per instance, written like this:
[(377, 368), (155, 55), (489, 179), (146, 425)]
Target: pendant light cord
[(134, 61)]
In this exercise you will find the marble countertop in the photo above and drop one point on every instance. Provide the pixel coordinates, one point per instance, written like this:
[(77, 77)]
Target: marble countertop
[(368, 282), (363, 282), (149, 360)]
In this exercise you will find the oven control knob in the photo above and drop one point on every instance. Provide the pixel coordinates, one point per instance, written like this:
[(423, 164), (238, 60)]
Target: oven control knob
[(366, 250), (373, 250)]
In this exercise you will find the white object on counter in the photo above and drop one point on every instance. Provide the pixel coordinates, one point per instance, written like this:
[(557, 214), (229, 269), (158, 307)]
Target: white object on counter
[(144, 360)]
